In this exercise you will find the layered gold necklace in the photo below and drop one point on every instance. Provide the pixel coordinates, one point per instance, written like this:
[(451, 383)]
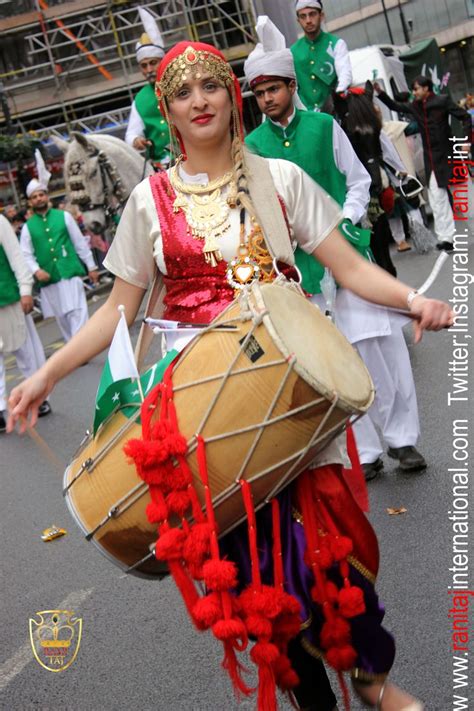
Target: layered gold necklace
[(206, 210)]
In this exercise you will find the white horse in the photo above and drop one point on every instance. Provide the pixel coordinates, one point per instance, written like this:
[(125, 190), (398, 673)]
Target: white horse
[(100, 172)]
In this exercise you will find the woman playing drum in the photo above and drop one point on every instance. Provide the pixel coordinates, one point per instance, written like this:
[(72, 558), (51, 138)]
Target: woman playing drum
[(192, 223)]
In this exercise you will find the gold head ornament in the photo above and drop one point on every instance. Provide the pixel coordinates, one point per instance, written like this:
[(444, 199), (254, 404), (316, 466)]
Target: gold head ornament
[(192, 64)]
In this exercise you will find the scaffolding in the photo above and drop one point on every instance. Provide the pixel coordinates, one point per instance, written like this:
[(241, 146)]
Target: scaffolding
[(71, 65)]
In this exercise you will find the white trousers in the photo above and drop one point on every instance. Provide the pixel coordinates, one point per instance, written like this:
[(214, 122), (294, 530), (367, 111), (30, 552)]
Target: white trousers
[(395, 408), (29, 357), (396, 225), (66, 301), (442, 211), (70, 323)]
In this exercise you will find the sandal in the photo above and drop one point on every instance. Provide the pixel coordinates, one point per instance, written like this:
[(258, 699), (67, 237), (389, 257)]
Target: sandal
[(414, 705)]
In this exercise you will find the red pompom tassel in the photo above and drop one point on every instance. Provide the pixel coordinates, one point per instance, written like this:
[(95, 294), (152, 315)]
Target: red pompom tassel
[(258, 626), (335, 632), (196, 547), (155, 512), (341, 547), (178, 502), (323, 557), (286, 627), (351, 601), (341, 658), (169, 546), (229, 629), (264, 653), (265, 601), (220, 575), (286, 677), (208, 610)]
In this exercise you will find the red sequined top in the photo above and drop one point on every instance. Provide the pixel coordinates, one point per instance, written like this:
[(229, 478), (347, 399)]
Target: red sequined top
[(196, 292)]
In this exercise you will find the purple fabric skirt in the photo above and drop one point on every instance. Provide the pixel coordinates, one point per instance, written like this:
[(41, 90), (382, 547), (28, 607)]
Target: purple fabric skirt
[(375, 647)]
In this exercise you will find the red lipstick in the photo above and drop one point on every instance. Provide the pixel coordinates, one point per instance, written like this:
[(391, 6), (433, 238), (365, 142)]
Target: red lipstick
[(203, 118)]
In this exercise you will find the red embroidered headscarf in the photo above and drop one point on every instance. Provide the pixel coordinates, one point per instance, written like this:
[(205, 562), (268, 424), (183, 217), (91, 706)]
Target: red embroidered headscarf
[(185, 60)]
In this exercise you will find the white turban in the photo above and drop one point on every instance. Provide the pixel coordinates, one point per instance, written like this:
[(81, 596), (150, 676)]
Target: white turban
[(301, 4), (270, 58), (150, 43), (33, 186)]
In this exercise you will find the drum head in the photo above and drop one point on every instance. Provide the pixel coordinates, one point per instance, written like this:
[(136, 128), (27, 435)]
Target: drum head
[(325, 358)]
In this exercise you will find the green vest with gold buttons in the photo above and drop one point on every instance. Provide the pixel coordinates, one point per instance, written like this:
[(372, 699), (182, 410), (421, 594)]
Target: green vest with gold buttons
[(315, 68), (53, 247), (156, 128), (9, 291), (308, 142)]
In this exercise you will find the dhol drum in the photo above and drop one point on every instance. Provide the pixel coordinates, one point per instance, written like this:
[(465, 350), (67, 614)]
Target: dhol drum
[(266, 394)]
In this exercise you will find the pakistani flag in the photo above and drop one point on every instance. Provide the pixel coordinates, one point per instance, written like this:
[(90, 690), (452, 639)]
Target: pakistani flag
[(120, 370), (121, 386), (358, 237)]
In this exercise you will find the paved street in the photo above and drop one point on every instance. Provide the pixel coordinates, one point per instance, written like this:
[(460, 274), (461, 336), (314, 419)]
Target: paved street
[(138, 648)]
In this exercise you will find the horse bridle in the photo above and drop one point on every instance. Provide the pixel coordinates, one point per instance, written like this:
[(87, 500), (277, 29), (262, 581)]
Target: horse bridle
[(108, 171)]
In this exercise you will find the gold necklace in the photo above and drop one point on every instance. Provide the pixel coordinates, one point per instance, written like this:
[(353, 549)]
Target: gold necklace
[(207, 213)]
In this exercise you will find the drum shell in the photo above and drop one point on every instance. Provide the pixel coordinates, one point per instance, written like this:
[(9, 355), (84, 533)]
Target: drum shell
[(229, 413)]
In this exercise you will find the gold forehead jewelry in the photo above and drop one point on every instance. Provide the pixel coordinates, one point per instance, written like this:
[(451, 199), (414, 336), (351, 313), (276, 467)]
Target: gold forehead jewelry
[(189, 65), (207, 213)]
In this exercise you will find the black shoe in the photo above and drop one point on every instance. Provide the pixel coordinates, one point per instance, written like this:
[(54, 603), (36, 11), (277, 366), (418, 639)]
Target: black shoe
[(409, 457), (3, 424), (44, 409), (445, 245), (372, 469)]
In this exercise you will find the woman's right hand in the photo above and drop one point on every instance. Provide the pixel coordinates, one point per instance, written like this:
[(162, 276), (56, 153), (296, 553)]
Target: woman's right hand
[(25, 399)]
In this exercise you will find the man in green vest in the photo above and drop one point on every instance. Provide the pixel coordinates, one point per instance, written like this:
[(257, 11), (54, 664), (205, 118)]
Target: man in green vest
[(321, 59), (316, 143), (147, 129), (17, 330), (56, 251)]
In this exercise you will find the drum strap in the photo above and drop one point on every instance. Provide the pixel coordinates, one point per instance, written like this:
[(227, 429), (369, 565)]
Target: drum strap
[(154, 309), (271, 218), (268, 209)]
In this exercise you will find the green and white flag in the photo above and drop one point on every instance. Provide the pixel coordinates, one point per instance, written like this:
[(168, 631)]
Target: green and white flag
[(120, 370), (121, 387)]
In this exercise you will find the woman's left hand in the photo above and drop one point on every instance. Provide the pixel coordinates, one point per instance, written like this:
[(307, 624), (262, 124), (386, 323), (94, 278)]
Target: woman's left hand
[(431, 315)]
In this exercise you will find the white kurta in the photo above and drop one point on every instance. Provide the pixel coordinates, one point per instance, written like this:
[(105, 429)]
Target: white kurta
[(66, 299), (135, 126), (138, 248), (12, 320), (17, 332)]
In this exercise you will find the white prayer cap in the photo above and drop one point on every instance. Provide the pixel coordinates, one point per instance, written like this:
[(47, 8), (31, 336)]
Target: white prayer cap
[(35, 185), (301, 4), (270, 58), (150, 43)]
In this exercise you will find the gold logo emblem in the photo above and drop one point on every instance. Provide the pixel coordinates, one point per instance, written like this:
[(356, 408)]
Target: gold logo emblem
[(55, 637)]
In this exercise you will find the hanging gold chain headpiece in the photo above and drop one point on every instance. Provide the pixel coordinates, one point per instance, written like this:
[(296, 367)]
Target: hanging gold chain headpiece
[(190, 64)]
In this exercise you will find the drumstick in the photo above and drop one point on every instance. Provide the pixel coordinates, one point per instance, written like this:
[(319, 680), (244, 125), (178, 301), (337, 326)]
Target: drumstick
[(427, 284), (434, 273), (44, 447)]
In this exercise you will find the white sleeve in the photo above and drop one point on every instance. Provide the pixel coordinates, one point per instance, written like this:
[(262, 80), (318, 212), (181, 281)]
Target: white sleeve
[(135, 127), (390, 153), (342, 63), (27, 249), (9, 242), (312, 214), (132, 253), (357, 178), (79, 241)]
